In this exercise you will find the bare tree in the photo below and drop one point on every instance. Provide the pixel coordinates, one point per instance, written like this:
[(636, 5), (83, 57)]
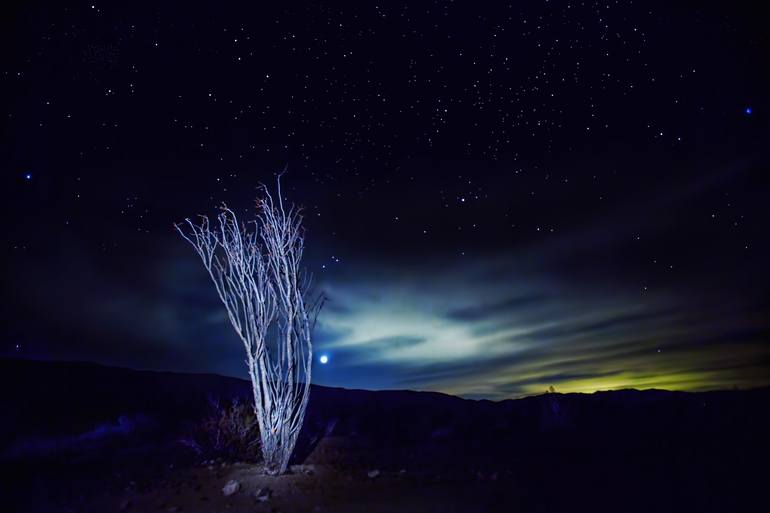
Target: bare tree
[(256, 272)]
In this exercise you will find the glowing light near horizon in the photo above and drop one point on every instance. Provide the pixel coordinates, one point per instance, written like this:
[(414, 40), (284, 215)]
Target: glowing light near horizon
[(324, 359)]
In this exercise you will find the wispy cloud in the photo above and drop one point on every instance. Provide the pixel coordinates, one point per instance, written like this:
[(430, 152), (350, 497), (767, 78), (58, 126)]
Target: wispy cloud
[(503, 326)]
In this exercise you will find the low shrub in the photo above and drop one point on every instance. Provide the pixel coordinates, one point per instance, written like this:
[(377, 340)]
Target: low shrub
[(229, 431)]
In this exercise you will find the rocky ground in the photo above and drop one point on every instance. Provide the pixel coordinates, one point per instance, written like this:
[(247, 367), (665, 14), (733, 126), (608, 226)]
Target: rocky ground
[(243, 488), (86, 438), (325, 483)]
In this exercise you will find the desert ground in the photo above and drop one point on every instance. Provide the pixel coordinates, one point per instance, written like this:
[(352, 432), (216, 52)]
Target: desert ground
[(87, 438)]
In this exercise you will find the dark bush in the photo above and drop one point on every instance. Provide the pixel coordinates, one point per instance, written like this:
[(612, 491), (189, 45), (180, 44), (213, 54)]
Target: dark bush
[(230, 431)]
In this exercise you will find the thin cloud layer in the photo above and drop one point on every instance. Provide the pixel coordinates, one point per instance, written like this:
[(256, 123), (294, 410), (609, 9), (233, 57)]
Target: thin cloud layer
[(489, 332)]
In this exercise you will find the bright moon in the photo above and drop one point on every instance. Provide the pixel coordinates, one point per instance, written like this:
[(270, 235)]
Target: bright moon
[(323, 359)]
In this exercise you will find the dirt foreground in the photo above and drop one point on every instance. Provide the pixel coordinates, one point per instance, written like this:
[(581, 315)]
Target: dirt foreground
[(310, 488)]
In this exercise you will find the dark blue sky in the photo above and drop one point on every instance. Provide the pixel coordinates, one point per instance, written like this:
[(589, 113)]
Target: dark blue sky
[(499, 198)]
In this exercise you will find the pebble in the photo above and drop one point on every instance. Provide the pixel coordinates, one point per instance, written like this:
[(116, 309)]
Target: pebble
[(231, 487)]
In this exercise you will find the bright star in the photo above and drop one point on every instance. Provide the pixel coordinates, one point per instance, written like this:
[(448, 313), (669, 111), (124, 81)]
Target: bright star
[(748, 111), (324, 359), (28, 176)]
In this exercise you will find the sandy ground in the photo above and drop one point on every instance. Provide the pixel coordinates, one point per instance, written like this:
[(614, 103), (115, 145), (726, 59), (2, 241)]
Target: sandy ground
[(333, 486), (325, 490)]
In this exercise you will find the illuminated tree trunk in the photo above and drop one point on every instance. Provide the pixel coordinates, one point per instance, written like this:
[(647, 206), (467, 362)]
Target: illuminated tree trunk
[(256, 272)]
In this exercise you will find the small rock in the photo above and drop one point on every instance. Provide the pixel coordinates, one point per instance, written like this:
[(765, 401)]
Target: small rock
[(308, 470), (263, 494), (231, 487), (373, 473)]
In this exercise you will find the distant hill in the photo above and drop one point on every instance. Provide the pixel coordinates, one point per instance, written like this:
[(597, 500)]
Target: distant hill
[(53, 398)]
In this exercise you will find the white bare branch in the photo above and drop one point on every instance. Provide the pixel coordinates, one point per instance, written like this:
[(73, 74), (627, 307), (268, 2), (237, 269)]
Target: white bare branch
[(256, 271)]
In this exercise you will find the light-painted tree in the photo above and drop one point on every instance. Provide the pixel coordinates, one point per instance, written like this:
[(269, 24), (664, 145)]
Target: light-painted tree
[(257, 274)]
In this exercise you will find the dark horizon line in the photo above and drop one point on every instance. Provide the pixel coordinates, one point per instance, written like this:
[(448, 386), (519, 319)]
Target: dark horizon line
[(10, 358)]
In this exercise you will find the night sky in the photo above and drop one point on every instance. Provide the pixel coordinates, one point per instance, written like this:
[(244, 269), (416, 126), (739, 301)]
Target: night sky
[(499, 197)]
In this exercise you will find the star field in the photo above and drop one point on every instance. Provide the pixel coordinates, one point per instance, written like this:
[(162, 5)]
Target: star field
[(499, 197)]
